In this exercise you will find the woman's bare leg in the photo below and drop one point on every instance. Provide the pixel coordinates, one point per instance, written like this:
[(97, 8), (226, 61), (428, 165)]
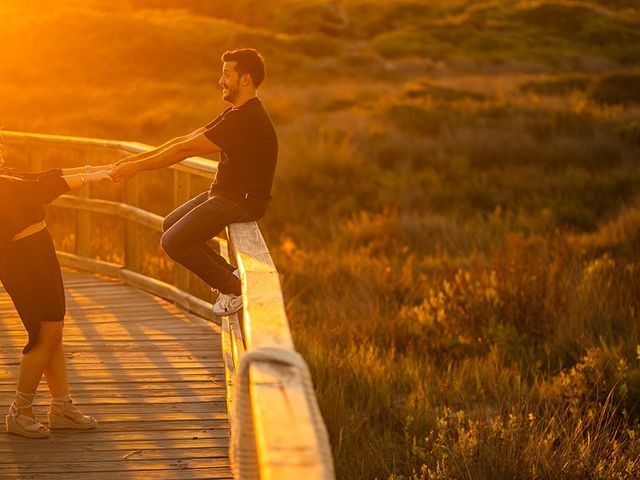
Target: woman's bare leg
[(56, 373), (33, 363), (63, 413)]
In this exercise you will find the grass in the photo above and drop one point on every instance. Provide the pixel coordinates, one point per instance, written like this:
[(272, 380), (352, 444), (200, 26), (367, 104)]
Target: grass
[(455, 216)]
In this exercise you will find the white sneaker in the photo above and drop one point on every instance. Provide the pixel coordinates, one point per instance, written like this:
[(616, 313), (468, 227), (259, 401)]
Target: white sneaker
[(226, 304)]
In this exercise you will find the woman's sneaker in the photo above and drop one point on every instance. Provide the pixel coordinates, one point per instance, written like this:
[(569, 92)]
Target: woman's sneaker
[(226, 304)]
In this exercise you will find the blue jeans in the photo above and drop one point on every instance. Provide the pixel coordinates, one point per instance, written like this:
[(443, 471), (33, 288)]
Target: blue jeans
[(187, 230)]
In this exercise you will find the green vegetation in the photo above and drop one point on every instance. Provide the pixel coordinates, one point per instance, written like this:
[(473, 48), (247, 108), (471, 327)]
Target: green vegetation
[(456, 213)]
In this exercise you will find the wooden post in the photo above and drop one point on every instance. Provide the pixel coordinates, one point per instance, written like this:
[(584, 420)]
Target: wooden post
[(131, 244), (83, 224), (34, 163), (181, 193)]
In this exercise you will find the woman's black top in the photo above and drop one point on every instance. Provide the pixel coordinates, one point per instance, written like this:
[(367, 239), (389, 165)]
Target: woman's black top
[(22, 196)]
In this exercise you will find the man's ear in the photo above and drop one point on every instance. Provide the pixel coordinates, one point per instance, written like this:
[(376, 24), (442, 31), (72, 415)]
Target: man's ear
[(246, 79)]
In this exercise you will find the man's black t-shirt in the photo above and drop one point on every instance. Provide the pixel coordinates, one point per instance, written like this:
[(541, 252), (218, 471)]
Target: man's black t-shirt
[(248, 158)]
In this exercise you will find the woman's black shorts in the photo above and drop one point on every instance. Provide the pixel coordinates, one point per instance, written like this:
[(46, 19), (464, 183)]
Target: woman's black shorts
[(30, 273)]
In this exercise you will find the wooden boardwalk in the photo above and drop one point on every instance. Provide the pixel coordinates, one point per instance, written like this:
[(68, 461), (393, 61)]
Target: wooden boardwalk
[(150, 373)]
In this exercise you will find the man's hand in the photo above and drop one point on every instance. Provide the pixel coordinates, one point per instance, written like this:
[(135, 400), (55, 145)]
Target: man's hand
[(123, 172)]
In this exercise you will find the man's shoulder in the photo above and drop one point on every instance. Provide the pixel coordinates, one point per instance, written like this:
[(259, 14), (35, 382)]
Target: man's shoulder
[(251, 107), (253, 112)]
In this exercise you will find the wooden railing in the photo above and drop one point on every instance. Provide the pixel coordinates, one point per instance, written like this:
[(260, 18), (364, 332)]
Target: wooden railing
[(289, 441)]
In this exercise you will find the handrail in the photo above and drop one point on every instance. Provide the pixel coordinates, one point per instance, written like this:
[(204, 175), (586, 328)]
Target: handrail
[(289, 441), (108, 207), (194, 165)]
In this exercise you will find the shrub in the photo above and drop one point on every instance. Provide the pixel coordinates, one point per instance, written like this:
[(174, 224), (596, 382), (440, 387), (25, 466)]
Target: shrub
[(557, 86), (598, 378), (617, 88)]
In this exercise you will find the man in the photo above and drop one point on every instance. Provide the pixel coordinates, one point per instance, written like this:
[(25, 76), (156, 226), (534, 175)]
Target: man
[(241, 191)]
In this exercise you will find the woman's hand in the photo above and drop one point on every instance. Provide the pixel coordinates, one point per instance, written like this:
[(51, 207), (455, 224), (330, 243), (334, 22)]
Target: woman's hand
[(97, 176), (76, 180)]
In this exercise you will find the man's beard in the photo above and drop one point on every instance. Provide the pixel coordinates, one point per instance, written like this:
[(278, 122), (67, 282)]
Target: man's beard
[(231, 93)]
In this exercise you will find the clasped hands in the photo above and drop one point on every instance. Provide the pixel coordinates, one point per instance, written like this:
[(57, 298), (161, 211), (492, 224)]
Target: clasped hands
[(123, 170), (119, 171)]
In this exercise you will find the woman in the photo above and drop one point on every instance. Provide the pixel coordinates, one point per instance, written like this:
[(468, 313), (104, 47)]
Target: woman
[(30, 273)]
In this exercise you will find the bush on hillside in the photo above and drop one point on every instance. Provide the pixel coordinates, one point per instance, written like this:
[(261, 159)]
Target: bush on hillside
[(617, 88)]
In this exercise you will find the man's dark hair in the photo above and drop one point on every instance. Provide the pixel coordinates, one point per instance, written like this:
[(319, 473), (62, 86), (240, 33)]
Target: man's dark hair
[(248, 61)]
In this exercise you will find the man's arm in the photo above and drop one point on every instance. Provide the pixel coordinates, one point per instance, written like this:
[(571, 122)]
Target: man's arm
[(164, 146), (192, 146)]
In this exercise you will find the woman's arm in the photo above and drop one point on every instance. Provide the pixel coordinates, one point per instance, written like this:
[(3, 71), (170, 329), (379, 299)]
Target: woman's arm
[(21, 174), (55, 172), (86, 169), (46, 189), (75, 180)]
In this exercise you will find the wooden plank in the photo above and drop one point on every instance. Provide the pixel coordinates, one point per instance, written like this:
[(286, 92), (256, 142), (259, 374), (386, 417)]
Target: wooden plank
[(83, 224), (229, 367), (131, 227), (86, 465), (135, 356), (132, 397), (151, 452), (80, 334), (202, 402), (175, 474), (147, 343), (128, 425), (111, 381), (124, 368), (213, 406), (109, 322), (84, 444), (81, 466), (264, 317), (131, 348), (204, 358), (114, 414), (98, 439), (237, 339), (77, 375), (283, 424)]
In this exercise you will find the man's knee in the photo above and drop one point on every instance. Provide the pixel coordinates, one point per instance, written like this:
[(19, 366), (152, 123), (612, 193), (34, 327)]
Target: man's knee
[(169, 244), (167, 223)]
